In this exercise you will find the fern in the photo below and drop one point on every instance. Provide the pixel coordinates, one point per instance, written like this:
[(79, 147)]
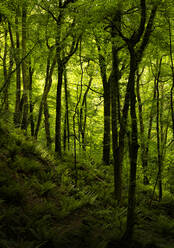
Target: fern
[(164, 225)]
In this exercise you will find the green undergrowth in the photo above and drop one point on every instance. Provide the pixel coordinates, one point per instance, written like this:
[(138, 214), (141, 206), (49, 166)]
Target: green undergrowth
[(42, 205)]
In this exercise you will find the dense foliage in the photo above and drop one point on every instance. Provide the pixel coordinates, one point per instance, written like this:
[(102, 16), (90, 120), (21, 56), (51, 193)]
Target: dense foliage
[(87, 123)]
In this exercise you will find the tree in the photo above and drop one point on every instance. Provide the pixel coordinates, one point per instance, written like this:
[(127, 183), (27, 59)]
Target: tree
[(135, 59), (25, 76)]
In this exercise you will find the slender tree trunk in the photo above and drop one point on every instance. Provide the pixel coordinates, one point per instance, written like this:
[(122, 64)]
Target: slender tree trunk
[(83, 115), (64, 133), (24, 70), (79, 96), (17, 114), (16, 55), (60, 68), (106, 88), (47, 125), (106, 138), (142, 136), (133, 148), (31, 99), (66, 123), (114, 80), (151, 117), (58, 149), (172, 68), (43, 97), (48, 83), (5, 69), (135, 59), (159, 157), (61, 63)]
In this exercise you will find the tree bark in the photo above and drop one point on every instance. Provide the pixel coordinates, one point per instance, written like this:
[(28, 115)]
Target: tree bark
[(114, 81), (83, 115), (60, 69), (17, 113), (159, 155), (5, 72), (31, 71), (151, 117), (135, 59), (142, 135), (172, 69), (58, 148), (24, 70), (48, 83), (106, 95), (66, 123), (133, 147), (47, 125)]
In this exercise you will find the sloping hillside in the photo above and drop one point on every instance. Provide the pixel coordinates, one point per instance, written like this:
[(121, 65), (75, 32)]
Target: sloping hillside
[(40, 207), (28, 192)]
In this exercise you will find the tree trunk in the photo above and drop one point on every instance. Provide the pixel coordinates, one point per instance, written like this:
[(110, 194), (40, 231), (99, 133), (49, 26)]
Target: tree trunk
[(31, 99), (66, 124), (48, 83), (79, 96), (47, 125), (172, 69), (60, 68), (135, 59), (7, 71), (58, 149), (106, 138), (133, 148), (142, 136), (159, 157), (17, 114), (151, 117), (24, 70), (5, 103), (114, 80), (83, 115), (106, 95)]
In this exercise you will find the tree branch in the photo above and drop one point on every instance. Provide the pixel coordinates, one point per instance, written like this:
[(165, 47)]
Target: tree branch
[(6, 81), (135, 38), (147, 31), (49, 11), (74, 47)]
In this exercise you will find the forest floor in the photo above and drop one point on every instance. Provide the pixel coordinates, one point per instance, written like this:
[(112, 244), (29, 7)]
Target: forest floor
[(82, 228), (40, 207)]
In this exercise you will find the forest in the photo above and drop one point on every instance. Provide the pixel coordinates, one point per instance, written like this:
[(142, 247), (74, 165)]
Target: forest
[(86, 124)]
